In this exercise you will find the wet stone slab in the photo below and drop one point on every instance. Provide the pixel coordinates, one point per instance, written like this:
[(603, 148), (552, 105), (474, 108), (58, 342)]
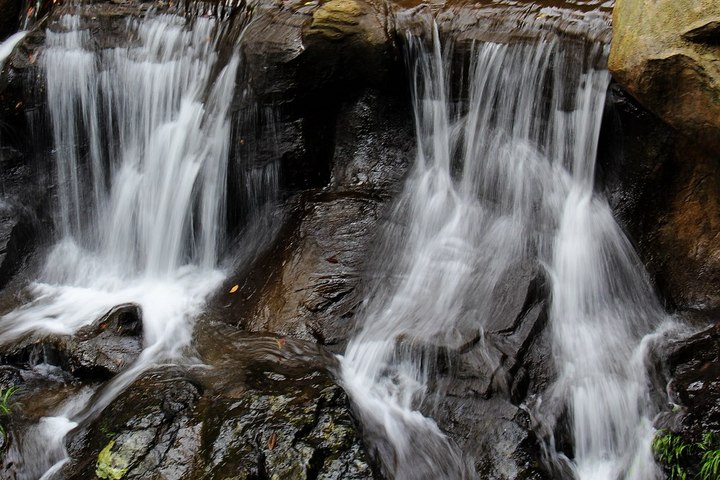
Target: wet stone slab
[(259, 407)]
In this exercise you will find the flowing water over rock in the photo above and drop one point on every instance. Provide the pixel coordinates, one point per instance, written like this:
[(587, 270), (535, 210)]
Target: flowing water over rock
[(497, 244), (507, 179), (141, 139)]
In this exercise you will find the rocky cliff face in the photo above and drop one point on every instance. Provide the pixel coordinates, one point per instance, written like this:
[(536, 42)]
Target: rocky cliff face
[(332, 76), (664, 184), (666, 56)]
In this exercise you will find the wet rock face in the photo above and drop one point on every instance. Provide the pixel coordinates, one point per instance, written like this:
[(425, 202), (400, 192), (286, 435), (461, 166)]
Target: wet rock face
[(97, 351), (141, 432), (486, 384), (694, 366), (266, 408), (664, 188), (666, 54), (301, 433), (24, 216), (501, 442), (309, 282), (18, 231)]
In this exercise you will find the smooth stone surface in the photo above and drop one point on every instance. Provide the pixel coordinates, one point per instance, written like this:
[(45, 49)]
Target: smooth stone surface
[(666, 53)]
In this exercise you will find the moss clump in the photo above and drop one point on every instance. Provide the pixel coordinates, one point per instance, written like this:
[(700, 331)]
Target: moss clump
[(111, 465)]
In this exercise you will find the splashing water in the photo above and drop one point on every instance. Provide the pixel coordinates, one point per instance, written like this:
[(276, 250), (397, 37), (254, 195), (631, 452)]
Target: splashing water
[(141, 143), (139, 211), (505, 179)]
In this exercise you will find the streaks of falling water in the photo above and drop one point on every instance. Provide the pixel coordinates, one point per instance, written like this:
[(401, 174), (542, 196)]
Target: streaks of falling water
[(140, 200), (7, 46), (603, 316), (506, 178), (140, 137)]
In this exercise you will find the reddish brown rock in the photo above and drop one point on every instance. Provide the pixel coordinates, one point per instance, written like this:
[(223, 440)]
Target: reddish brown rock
[(666, 53)]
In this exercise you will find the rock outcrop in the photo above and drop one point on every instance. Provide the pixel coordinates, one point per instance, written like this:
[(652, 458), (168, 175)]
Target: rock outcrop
[(666, 53), (97, 351), (664, 187), (259, 407), (659, 167)]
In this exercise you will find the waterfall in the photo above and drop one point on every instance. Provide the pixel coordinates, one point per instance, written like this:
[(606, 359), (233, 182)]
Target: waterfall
[(141, 138), (506, 177), (140, 143)]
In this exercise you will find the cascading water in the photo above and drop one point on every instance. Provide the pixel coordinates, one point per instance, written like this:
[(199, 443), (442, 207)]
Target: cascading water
[(507, 178), (7, 46), (603, 313), (144, 224), (141, 139)]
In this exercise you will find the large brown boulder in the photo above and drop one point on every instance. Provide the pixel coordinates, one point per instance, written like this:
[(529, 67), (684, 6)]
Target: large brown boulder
[(665, 189), (666, 53)]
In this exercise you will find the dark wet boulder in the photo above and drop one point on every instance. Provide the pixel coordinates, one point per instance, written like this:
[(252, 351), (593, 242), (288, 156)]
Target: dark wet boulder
[(274, 410), (308, 283), (301, 431), (99, 350), (485, 387), (690, 425), (663, 187), (496, 435), (147, 432), (111, 343), (260, 407), (694, 368)]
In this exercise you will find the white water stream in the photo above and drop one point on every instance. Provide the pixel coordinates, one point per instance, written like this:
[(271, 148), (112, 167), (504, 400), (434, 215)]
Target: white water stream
[(505, 178), (7, 46), (140, 142)]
